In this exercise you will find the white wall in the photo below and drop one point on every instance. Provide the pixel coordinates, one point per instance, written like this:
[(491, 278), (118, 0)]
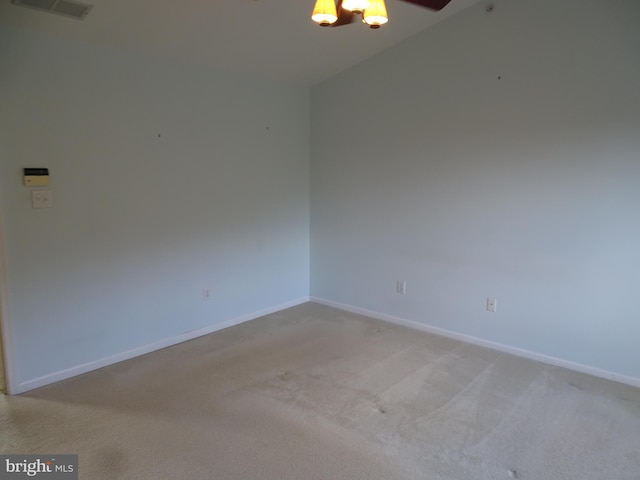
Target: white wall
[(166, 178), (525, 188), (491, 156)]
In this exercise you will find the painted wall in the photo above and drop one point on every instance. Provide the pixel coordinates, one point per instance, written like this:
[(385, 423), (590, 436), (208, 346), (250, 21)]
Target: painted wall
[(494, 155), (166, 179)]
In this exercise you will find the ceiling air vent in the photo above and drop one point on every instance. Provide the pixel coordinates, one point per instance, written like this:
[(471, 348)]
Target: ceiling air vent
[(67, 8)]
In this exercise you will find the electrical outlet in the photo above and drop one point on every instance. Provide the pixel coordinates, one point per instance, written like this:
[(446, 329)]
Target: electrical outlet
[(492, 303), (206, 293), (401, 287)]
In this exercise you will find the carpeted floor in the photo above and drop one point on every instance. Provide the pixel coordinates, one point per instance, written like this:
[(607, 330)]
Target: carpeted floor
[(316, 393)]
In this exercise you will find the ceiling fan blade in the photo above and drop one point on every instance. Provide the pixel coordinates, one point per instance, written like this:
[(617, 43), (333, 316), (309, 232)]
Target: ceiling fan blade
[(432, 4)]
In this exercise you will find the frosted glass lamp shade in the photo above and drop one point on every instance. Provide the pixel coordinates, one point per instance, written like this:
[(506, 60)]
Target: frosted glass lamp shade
[(325, 12), (375, 14), (355, 5)]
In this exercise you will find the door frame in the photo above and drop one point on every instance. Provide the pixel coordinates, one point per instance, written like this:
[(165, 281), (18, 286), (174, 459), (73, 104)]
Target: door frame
[(5, 325)]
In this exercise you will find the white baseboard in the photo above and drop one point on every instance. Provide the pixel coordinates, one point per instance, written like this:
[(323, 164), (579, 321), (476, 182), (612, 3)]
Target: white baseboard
[(558, 362), (136, 352), (110, 360)]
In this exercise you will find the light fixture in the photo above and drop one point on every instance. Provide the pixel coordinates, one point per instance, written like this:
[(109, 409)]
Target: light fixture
[(356, 6), (375, 14), (343, 12), (325, 12)]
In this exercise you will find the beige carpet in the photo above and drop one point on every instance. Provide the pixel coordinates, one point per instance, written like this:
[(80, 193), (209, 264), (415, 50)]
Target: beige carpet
[(317, 393)]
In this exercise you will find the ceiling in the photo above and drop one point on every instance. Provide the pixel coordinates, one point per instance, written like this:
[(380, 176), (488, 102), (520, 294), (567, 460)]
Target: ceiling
[(274, 39)]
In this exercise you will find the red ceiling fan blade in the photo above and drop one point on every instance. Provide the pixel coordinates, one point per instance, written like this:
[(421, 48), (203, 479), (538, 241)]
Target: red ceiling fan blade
[(345, 17), (432, 4)]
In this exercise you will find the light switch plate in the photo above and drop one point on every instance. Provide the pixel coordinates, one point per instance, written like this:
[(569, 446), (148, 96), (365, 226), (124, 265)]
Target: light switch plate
[(41, 199)]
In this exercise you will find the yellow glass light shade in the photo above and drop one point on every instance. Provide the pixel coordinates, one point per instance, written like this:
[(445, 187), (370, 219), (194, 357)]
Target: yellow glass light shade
[(355, 5), (375, 14), (325, 12)]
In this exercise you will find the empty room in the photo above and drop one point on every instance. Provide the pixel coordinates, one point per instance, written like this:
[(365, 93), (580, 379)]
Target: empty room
[(397, 240)]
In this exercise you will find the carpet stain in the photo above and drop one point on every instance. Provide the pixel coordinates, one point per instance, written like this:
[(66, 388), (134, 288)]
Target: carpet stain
[(111, 459)]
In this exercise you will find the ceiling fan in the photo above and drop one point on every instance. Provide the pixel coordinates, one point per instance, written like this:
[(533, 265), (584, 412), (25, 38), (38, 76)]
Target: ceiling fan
[(374, 12)]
